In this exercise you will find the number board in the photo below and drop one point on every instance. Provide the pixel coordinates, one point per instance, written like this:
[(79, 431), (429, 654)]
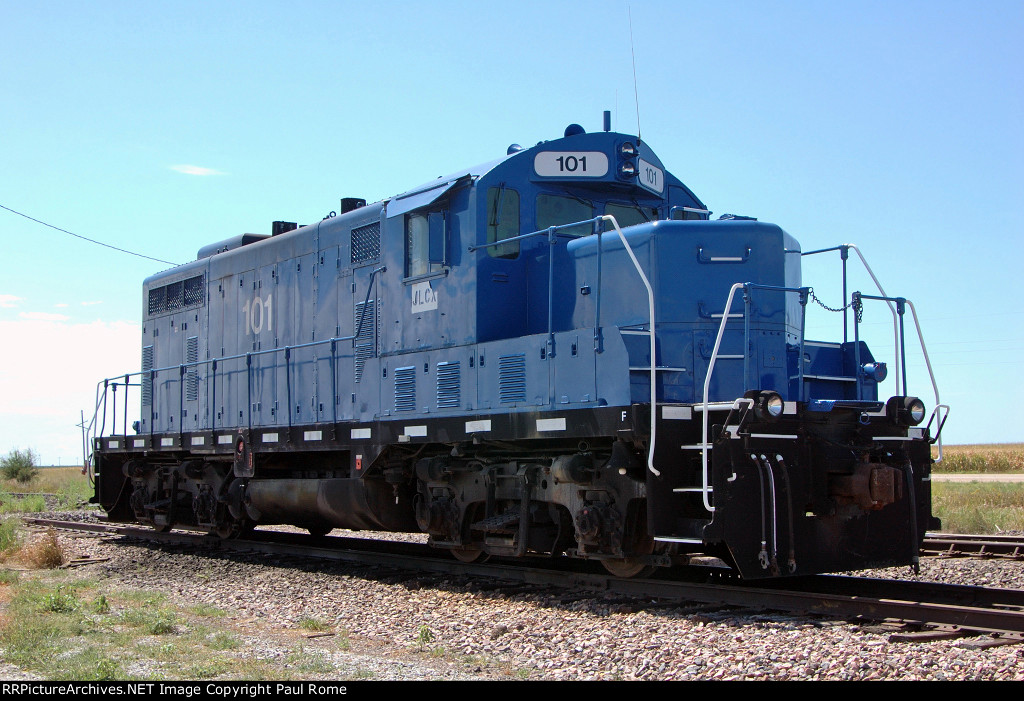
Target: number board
[(650, 176), (571, 164)]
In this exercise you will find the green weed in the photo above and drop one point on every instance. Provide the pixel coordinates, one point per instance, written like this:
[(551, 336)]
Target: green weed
[(424, 636), (313, 624), (19, 465), (10, 536)]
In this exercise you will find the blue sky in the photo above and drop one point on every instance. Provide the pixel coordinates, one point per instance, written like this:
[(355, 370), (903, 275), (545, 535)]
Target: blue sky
[(896, 126)]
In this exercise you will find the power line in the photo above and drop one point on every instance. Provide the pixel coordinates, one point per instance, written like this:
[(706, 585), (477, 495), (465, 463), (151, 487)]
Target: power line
[(86, 238)]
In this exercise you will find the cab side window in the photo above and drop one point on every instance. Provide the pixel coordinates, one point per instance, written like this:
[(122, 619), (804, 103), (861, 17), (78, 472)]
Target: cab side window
[(502, 221), (425, 243), (629, 214), (553, 210)]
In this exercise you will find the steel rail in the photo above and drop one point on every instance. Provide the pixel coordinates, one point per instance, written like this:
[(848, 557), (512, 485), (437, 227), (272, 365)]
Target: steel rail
[(968, 609)]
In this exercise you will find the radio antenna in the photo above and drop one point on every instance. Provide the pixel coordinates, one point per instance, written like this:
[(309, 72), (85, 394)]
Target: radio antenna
[(635, 94)]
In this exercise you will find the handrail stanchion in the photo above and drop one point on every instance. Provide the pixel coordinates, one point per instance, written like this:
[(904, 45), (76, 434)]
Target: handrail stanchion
[(804, 294), (103, 426), (901, 310), (213, 394), (126, 404), (248, 382), (598, 335), (856, 301), (288, 384), (181, 401), (748, 303), (844, 254), (334, 382), (551, 291)]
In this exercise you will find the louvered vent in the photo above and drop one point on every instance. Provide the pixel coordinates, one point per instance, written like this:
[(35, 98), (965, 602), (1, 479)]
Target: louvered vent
[(365, 343), (147, 379), (512, 378), (366, 243), (448, 385), (191, 373), (405, 389)]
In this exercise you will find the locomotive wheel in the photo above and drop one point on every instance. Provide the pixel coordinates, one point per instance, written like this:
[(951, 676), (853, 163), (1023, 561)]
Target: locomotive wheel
[(230, 528), (628, 567), (228, 531), (468, 554)]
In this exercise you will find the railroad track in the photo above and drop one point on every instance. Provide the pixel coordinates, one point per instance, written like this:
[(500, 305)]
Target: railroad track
[(910, 610), (958, 545)]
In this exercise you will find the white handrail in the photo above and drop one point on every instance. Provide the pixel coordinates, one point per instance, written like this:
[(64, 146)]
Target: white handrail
[(707, 389), (931, 376), (895, 326), (90, 431), (650, 311)]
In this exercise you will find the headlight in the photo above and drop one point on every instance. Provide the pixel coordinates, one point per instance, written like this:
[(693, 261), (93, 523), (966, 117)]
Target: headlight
[(627, 169), (907, 411), (627, 149), (916, 411), (768, 405)]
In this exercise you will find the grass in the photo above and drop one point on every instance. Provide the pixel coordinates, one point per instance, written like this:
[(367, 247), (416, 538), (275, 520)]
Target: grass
[(979, 507), (44, 552), (65, 628), (314, 625), (68, 483), (31, 504), (61, 625), (10, 537)]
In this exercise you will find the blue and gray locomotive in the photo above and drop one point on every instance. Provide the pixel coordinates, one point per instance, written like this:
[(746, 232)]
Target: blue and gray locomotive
[(558, 353)]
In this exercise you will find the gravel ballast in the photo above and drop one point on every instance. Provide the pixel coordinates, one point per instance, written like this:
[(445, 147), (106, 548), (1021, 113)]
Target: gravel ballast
[(408, 628)]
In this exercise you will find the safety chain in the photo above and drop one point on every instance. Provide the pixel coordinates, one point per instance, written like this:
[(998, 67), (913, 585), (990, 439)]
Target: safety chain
[(857, 305)]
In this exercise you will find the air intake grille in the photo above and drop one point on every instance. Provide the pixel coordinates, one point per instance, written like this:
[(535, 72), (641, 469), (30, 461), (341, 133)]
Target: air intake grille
[(448, 385), (365, 327), (405, 389), (512, 378), (178, 295), (157, 300), (192, 373), (175, 295), (366, 243), (194, 287), (147, 379)]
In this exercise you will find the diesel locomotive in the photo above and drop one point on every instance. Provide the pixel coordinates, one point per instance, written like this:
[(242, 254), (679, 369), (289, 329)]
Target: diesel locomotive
[(558, 353)]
